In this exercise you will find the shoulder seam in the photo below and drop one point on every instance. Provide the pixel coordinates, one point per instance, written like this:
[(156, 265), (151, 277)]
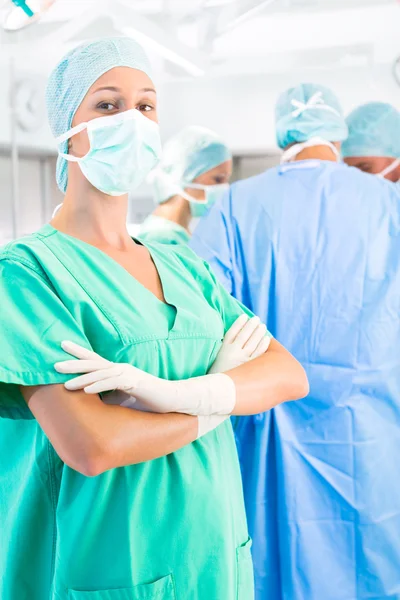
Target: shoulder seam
[(26, 263)]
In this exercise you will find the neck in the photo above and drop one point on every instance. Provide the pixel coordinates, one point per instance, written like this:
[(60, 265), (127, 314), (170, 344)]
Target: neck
[(317, 152), (91, 216), (177, 210)]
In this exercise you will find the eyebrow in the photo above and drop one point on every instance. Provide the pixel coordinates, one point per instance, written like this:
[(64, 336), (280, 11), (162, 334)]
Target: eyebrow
[(115, 89)]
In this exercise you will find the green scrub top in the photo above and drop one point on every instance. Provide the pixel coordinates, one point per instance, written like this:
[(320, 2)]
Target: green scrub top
[(169, 529), (164, 231)]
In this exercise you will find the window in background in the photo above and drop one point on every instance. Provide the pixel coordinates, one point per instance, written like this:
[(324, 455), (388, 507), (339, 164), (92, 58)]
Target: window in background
[(250, 165)]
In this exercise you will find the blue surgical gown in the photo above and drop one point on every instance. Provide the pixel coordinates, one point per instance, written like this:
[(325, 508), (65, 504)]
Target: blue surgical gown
[(313, 248)]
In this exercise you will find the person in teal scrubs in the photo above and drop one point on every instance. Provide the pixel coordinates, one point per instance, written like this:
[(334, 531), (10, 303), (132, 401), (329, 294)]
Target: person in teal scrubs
[(100, 501), (194, 172)]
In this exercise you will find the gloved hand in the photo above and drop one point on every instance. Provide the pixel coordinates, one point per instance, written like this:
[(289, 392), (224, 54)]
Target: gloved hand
[(206, 395), (206, 423), (201, 396), (210, 395), (245, 340)]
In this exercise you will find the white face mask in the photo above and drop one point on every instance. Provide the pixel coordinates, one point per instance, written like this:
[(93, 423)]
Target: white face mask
[(290, 154), (124, 148), (390, 168)]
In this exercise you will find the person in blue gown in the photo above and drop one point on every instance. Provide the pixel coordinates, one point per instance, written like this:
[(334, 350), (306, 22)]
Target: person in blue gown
[(313, 247)]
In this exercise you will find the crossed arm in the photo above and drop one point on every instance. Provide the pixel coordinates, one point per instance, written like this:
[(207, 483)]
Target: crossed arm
[(92, 437)]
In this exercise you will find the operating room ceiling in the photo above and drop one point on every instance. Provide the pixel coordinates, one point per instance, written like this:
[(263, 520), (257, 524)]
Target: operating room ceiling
[(192, 38)]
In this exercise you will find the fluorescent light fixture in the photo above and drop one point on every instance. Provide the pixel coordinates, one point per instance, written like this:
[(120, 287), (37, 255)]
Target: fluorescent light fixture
[(151, 44), (21, 13)]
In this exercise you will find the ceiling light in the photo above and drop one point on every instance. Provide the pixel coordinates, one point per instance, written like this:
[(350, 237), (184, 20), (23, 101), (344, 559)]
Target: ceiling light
[(21, 13), (152, 45)]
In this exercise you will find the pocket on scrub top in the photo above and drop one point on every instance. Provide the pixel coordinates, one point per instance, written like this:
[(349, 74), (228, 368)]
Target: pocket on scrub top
[(163, 589), (245, 573)]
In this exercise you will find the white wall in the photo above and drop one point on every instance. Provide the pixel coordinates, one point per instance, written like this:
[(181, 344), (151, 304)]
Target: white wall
[(40, 138), (241, 109), (37, 195)]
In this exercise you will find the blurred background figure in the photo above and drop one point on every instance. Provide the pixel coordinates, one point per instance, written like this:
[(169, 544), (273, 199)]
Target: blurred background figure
[(194, 172), (373, 144), (309, 116), (313, 248)]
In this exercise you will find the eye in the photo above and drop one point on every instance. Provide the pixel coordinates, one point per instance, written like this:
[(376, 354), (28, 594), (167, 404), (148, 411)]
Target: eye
[(145, 107), (107, 106)]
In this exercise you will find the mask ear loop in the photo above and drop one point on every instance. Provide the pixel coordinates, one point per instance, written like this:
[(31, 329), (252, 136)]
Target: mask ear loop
[(199, 186), (194, 186), (190, 198), (67, 136), (390, 168)]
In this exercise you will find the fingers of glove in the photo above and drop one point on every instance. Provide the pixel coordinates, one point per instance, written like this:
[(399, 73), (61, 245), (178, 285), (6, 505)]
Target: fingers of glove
[(256, 337), (79, 366), (79, 383), (80, 352), (247, 331), (262, 347), (236, 328)]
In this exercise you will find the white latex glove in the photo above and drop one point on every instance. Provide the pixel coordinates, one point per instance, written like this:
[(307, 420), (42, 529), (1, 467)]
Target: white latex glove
[(207, 395), (211, 397), (245, 340), (206, 423)]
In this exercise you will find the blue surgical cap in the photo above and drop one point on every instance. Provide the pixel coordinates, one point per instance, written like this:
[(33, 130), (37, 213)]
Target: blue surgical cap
[(306, 111), (186, 156), (75, 74), (374, 130)]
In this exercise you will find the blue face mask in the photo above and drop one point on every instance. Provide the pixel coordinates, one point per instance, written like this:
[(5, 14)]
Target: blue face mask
[(124, 148), (213, 193)]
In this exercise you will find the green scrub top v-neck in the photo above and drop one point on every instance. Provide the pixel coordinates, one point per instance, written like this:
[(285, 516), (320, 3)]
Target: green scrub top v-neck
[(161, 230), (168, 529)]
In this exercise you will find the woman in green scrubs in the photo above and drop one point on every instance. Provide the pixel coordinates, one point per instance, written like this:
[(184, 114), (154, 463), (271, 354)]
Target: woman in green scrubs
[(98, 501), (194, 172)]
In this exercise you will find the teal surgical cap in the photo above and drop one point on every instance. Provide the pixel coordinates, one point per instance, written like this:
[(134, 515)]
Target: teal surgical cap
[(374, 130), (306, 111), (75, 74), (186, 156)]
